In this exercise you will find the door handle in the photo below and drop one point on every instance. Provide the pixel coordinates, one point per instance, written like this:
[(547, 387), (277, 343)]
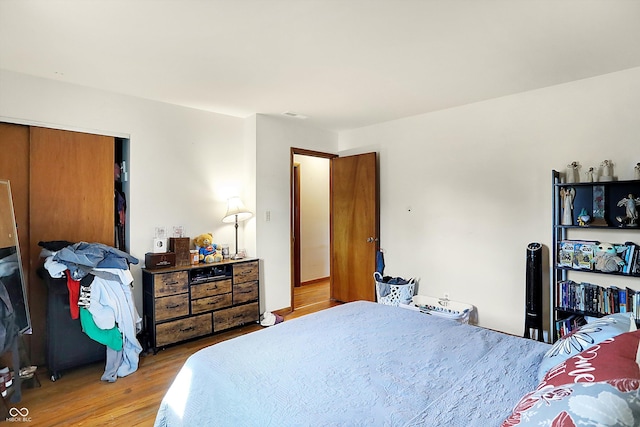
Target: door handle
[(372, 239)]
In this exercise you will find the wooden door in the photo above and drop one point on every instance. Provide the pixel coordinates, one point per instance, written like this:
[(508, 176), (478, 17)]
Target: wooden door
[(354, 227), (71, 198)]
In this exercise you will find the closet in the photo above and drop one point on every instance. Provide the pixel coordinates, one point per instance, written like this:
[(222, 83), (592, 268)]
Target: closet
[(63, 189)]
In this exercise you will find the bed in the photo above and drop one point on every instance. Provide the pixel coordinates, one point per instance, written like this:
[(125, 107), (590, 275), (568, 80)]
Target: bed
[(358, 364)]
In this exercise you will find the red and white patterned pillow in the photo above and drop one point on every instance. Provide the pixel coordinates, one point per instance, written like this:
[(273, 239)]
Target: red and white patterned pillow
[(598, 386), (585, 337), (613, 358)]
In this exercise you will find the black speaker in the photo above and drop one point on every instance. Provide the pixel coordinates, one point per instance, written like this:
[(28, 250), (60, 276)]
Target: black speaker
[(533, 307)]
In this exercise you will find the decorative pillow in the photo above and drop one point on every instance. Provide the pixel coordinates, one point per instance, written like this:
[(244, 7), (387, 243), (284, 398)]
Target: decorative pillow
[(597, 387), (584, 337), (613, 358), (580, 404)]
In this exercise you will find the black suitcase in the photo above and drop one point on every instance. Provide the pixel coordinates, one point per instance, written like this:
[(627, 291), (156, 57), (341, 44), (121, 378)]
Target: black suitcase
[(67, 345)]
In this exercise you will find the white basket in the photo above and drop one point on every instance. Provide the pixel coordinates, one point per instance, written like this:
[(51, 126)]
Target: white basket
[(397, 293), (443, 307)]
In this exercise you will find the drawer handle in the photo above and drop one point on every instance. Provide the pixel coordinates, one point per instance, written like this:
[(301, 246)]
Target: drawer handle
[(173, 306), (190, 328), (171, 283), (238, 316)]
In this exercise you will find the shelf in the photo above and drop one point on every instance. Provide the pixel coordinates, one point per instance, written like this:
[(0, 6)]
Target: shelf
[(610, 273), (580, 312), (585, 313), (612, 193), (590, 184), (597, 227)]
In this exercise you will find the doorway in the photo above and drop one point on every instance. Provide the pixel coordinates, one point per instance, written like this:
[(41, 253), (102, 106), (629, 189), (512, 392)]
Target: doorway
[(310, 228), (353, 220)]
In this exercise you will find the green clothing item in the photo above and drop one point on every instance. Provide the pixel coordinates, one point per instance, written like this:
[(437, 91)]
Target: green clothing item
[(109, 337)]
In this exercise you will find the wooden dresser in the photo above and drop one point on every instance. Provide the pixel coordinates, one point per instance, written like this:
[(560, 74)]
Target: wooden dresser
[(181, 303)]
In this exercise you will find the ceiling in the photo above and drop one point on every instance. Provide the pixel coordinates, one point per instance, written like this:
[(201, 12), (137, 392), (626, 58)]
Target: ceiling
[(343, 63)]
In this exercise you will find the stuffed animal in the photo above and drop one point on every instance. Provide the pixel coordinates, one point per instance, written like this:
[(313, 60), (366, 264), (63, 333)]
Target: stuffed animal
[(606, 258), (207, 249)]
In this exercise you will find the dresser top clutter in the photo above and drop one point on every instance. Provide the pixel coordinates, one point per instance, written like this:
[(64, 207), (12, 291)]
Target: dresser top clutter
[(199, 266)]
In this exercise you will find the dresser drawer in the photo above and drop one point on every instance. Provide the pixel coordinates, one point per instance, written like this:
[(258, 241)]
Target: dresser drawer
[(245, 292), (170, 283), (209, 289), (245, 272), (171, 307), (183, 329), (210, 303), (235, 316)]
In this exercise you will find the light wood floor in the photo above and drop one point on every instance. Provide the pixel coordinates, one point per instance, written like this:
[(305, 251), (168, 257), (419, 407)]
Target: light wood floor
[(312, 297), (79, 398)]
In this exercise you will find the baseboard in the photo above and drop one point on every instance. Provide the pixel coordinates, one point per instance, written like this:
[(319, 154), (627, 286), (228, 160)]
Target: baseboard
[(283, 311), (311, 282)]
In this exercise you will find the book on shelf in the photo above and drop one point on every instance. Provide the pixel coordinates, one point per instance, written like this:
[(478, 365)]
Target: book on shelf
[(628, 260), (569, 324), (634, 260), (625, 252), (622, 300), (597, 300), (614, 300)]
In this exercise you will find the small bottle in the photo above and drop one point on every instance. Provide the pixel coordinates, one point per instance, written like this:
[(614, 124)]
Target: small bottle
[(195, 258)]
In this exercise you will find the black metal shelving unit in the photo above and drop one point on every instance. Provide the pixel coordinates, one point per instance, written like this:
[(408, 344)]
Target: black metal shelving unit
[(584, 198)]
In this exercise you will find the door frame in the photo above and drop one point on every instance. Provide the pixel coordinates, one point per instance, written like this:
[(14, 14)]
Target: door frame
[(295, 209), (295, 231)]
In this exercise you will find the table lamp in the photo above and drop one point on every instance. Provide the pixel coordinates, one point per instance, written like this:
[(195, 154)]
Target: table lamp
[(236, 212)]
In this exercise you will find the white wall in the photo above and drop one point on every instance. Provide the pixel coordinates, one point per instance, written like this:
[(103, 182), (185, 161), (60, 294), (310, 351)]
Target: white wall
[(274, 138), (184, 163), (477, 177), (464, 190), (314, 217)]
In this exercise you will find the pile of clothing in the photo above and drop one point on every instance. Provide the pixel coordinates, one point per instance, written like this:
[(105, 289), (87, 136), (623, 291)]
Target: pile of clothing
[(100, 282)]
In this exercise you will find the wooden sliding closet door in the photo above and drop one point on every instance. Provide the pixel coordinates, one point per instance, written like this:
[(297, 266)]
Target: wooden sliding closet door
[(71, 198), (14, 166)]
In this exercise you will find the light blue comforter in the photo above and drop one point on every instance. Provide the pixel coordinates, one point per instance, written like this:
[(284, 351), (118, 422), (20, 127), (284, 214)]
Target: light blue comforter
[(358, 364)]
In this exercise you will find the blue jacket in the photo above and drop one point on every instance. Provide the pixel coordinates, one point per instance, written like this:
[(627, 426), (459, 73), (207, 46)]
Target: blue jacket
[(82, 257)]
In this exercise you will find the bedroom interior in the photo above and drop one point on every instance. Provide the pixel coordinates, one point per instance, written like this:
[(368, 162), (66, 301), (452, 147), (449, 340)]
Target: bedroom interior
[(468, 107)]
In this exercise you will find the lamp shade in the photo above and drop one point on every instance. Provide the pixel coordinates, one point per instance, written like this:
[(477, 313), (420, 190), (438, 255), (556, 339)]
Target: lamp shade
[(236, 211)]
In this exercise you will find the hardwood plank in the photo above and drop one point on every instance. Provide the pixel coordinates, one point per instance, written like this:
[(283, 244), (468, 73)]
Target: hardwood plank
[(79, 398)]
